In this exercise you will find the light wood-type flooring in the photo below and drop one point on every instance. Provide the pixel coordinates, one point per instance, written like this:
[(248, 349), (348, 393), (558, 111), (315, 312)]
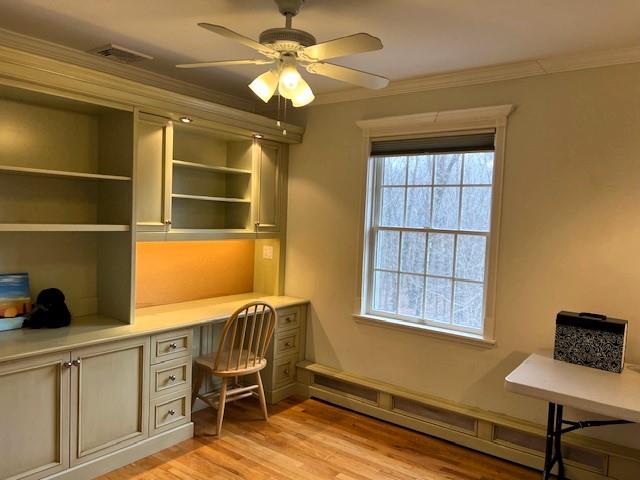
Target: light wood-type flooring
[(308, 439)]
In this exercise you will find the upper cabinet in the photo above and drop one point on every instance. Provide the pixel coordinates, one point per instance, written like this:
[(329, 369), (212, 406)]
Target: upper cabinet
[(154, 149), (198, 182), (271, 185)]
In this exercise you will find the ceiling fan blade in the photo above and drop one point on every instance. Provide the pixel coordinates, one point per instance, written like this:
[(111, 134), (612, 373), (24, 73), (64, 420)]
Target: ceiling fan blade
[(231, 35), (349, 75), (341, 47), (221, 63)]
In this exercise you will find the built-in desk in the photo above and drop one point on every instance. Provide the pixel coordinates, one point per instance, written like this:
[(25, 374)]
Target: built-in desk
[(82, 400), (93, 329)]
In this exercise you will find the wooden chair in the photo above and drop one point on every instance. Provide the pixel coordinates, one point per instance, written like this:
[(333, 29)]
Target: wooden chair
[(242, 350)]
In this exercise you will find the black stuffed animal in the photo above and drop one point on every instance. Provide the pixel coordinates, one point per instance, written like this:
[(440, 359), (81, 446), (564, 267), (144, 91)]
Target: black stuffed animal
[(50, 311)]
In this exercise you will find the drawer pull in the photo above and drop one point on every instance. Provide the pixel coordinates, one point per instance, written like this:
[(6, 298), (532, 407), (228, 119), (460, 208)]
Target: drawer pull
[(67, 364), (286, 371), (288, 344), (172, 378), (173, 345), (171, 412), (288, 319), (76, 362)]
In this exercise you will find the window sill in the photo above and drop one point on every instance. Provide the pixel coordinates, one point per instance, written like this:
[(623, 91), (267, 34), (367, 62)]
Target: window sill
[(428, 330)]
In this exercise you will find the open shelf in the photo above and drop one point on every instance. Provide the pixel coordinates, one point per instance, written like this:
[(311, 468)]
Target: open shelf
[(59, 173), (210, 199), (61, 227), (211, 168)]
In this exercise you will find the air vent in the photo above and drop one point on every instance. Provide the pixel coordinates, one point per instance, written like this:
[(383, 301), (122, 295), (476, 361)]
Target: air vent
[(458, 421), (362, 393), (120, 54)]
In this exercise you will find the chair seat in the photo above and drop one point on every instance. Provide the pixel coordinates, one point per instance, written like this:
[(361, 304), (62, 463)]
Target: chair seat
[(208, 362)]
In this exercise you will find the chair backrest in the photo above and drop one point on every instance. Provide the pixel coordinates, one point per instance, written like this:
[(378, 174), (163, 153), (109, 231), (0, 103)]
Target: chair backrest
[(246, 337)]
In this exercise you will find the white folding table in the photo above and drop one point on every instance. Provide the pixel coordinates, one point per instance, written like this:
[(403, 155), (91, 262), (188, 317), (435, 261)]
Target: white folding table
[(615, 395)]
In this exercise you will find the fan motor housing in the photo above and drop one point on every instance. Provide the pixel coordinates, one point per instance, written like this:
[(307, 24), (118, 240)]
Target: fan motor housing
[(286, 39)]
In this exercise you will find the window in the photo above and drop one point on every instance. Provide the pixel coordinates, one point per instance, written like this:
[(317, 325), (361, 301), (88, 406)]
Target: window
[(429, 231)]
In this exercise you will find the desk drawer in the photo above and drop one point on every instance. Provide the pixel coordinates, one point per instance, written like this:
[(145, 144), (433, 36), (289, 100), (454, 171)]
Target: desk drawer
[(284, 371), (170, 376), (288, 318), (170, 345), (286, 343), (169, 411)]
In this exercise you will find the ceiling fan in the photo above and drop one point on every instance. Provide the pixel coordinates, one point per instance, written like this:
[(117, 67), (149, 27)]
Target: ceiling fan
[(287, 48)]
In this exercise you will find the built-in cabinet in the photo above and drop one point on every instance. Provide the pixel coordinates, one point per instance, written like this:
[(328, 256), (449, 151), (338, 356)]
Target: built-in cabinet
[(109, 398), (34, 399), (72, 407), (196, 180)]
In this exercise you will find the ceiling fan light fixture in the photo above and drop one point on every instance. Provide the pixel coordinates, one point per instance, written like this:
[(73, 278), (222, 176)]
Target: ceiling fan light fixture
[(264, 86), (303, 95)]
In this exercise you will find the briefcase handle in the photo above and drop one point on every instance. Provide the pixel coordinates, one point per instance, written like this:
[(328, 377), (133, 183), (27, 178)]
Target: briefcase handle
[(596, 316)]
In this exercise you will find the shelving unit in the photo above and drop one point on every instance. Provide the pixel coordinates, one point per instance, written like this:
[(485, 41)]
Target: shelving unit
[(211, 180), (66, 199)]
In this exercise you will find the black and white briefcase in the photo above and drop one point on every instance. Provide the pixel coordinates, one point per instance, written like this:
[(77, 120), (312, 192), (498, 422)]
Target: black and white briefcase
[(591, 340)]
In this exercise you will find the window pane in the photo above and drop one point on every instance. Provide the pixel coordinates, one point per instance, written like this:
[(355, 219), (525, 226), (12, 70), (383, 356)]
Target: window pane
[(392, 207), (385, 290), (395, 171), (438, 300), (478, 168), (413, 252), (420, 170), (467, 305), (445, 207), (387, 247), (418, 206), (440, 254), (448, 169), (410, 299), (476, 209), (470, 260)]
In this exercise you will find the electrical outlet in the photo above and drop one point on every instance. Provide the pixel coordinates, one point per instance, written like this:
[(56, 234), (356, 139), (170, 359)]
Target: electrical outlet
[(267, 252)]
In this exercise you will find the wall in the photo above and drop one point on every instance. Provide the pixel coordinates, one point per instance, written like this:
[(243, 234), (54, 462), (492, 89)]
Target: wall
[(570, 233), (171, 272)]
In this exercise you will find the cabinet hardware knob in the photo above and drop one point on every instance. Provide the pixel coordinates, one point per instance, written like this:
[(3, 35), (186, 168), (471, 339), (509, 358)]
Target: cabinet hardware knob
[(171, 412), (286, 371), (76, 362), (173, 345), (288, 319), (67, 364), (167, 222), (172, 378), (287, 344)]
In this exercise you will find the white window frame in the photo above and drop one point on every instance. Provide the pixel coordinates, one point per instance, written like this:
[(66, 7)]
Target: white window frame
[(433, 124)]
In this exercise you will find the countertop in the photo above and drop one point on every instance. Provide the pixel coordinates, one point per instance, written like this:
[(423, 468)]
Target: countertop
[(96, 329)]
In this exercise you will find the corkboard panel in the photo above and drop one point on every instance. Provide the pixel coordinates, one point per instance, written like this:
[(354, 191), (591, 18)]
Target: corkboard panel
[(171, 272)]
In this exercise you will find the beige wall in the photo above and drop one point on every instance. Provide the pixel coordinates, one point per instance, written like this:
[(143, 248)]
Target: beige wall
[(570, 234)]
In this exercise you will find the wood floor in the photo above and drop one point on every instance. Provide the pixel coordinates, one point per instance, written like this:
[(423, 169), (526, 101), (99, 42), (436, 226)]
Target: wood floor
[(308, 439)]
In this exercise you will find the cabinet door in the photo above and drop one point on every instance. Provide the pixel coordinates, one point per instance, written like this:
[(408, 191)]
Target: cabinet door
[(154, 152), (271, 198), (34, 401), (110, 398)]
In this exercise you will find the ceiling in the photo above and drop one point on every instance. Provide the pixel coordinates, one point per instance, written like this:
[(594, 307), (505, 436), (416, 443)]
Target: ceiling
[(421, 37)]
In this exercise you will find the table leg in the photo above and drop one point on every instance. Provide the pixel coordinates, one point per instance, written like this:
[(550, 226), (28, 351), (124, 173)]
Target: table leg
[(548, 454), (558, 442)]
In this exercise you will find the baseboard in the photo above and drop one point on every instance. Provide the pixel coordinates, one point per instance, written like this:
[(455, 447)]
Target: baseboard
[(462, 425), (127, 455)]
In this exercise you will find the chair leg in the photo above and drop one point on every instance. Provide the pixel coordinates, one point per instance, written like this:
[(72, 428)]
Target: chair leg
[(263, 400), (197, 385), (221, 403)]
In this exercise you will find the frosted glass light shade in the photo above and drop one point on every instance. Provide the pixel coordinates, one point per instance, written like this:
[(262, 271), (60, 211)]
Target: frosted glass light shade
[(303, 95), (264, 86)]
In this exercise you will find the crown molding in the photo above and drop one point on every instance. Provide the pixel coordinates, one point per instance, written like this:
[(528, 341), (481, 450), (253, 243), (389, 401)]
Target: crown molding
[(490, 74), (64, 54)]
